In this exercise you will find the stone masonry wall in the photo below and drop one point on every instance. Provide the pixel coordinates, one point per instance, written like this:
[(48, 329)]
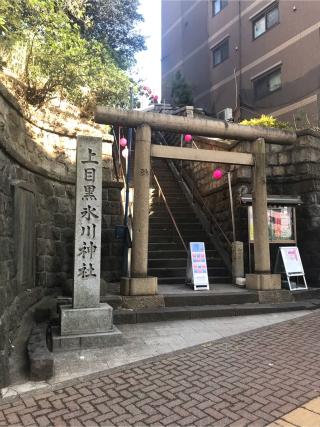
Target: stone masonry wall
[(51, 179)]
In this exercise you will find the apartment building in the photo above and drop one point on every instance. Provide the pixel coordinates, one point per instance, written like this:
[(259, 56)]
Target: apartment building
[(245, 58)]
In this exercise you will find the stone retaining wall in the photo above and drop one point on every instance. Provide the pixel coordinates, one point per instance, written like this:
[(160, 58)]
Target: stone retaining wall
[(37, 191)]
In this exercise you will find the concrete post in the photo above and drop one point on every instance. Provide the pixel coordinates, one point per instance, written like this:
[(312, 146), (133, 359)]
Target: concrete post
[(140, 284), (237, 261), (262, 279)]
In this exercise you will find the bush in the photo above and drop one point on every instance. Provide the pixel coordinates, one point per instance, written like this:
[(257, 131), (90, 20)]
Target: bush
[(265, 121)]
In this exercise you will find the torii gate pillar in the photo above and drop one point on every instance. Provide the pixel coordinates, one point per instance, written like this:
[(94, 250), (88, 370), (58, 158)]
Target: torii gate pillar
[(262, 279), (140, 283)]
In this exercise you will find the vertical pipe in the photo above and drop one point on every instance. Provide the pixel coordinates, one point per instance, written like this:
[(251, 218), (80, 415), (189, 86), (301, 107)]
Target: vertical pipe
[(140, 235), (125, 261), (259, 206), (232, 208)]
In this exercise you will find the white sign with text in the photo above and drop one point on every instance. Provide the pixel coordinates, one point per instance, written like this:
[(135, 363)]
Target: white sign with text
[(197, 272)]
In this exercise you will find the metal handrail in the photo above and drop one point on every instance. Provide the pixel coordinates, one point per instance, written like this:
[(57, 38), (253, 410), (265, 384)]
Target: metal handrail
[(124, 177), (169, 211), (193, 190), (203, 203)]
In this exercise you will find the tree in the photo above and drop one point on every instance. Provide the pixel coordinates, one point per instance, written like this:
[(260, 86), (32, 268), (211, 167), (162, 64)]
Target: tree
[(55, 58), (113, 24), (181, 92)]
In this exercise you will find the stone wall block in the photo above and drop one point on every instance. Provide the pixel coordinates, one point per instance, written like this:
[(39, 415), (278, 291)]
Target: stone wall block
[(114, 194), (278, 171), (67, 234), (53, 264), (112, 208), (303, 168), (63, 205), (40, 264), (54, 280), (5, 249), (116, 249), (59, 220), (106, 221), (45, 247), (272, 158), (284, 158), (44, 186), (115, 220), (59, 190), (108, 235)]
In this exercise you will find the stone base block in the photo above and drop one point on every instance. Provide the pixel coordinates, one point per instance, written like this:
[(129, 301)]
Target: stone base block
[(78, 321), (275, 296), (143, 286), (263, 282), (125, 286), (41, 362), (84, 341), (140, 302)]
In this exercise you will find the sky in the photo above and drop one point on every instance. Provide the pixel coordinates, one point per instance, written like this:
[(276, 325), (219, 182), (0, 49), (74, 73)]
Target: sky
[(148, 62)]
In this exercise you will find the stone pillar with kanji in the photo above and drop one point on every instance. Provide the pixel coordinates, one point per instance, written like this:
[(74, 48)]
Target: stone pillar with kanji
[(87, 322)]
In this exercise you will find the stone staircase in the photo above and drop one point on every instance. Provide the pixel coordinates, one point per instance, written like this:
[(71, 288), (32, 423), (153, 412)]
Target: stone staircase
[(167, 256)]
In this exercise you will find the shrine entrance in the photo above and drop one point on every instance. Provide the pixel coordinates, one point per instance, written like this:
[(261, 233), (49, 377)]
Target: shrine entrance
[(139, 283)]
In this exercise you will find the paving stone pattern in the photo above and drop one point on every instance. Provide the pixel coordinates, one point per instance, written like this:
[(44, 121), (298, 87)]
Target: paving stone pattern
[(249, 379)]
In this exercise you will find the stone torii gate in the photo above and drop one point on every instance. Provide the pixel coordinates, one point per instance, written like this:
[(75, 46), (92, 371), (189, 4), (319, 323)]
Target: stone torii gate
[(139, 283)]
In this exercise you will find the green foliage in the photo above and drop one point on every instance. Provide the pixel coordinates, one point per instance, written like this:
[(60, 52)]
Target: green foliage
[(47, 44), (181, 92), (113, 24), (265, 121)]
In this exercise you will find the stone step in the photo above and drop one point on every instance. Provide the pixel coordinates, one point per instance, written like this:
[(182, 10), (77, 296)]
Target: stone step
[(181, 218), (172, 203), (223, 279), (176, 210), (165, 246), (180, 262), (167, 271), (205, 311), (210, 298), (181, 225), (172, 237), (185, 231), (169, 254)]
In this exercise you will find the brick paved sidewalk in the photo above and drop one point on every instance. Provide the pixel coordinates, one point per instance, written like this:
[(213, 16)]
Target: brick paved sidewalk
[(249, 379)]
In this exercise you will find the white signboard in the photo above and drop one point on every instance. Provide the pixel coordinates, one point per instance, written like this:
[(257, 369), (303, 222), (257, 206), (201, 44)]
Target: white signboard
[(293, 265), (197, 272)]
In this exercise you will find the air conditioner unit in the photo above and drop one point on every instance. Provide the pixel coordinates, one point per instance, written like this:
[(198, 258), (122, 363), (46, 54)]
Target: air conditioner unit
[(226, 115)]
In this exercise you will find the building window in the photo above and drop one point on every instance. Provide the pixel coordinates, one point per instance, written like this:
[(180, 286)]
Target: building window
[(267, 84), (265, 20), (220, 52), (218, 5)]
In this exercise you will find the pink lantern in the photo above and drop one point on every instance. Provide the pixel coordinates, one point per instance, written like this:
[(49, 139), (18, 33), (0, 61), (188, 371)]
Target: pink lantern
[(217, 174), (123, 142), (125, 153), (188, 138)]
